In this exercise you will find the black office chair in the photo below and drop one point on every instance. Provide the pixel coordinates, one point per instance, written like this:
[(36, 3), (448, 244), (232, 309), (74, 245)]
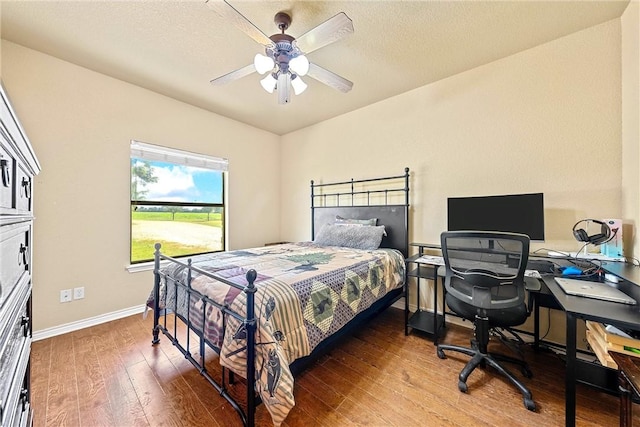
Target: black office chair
[(484, 283)]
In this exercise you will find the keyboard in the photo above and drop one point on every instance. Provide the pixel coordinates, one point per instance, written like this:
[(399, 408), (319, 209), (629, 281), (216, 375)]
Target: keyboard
[(431, 259)]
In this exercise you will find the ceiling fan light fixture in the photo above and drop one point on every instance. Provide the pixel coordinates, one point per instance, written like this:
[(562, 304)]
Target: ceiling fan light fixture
[(269, 83), (284, 60), (263, 63), (298, 85), (299, 65)]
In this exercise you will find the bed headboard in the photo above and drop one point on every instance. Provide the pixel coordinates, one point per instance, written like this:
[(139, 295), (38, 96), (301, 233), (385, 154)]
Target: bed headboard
[(385, 198)]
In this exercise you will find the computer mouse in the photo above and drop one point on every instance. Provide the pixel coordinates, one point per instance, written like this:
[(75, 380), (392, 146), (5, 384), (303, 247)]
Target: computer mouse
[(571, 271)]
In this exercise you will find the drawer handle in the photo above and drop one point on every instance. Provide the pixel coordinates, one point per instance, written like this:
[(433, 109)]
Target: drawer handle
[(6, 176), (23, 255), (24, 322), (26, 186), (24, 398)]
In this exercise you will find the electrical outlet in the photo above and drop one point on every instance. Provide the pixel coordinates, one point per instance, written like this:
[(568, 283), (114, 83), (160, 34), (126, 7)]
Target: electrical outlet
[(65, 295), (78, 293)]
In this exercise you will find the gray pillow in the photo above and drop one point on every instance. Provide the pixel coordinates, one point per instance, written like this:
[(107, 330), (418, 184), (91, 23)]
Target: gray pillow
[(364, 237), (352, 221)]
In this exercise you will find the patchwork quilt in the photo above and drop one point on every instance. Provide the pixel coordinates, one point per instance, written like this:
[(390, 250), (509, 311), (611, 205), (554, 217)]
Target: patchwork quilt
[(305, 293)]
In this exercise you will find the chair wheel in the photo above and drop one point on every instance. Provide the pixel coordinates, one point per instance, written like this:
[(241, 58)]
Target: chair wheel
[(529, 404), (526, 372), (441, 354), (462, 386)]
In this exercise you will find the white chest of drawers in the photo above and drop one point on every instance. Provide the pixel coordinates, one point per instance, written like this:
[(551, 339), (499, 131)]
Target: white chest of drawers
[(18, 166)]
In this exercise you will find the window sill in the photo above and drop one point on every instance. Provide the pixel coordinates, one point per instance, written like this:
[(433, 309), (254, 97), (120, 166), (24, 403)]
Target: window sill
[(143, 266), (146, 266)]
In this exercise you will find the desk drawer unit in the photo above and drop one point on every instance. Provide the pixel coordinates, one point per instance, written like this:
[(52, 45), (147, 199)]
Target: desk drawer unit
[(18, 166)]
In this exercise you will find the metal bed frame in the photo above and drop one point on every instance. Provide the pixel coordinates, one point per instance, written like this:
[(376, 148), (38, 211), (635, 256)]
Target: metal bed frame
[(395, 217)]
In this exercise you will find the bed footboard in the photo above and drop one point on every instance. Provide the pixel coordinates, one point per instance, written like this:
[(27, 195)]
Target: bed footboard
[(248, 322)]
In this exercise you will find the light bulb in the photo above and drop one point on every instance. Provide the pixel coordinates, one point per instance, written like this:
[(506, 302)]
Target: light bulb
[(298, 85), (269, 83), (263, 63), (299, 65)]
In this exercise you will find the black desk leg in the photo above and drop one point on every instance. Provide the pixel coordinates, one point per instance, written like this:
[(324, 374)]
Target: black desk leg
[(626, 411), (436, 328), (536, 322), (570, 376), (406, 306)]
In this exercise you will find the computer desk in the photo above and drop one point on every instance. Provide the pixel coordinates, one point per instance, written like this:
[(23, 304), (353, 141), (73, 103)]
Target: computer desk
[(551, 296), (620, 315)]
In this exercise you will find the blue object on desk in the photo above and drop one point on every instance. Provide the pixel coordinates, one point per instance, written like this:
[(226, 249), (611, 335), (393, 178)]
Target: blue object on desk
[(571, 271)]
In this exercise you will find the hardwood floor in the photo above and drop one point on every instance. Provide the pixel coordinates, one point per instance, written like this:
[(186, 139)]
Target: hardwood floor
[(111, 375)]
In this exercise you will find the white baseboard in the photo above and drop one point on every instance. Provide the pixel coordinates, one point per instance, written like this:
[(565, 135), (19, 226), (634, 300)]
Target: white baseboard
[(85, 323)]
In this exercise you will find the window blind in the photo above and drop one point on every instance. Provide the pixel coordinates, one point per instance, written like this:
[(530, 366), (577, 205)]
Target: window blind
[(141, 150)]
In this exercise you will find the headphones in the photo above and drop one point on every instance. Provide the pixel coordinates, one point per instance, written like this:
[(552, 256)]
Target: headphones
[(596, 239)]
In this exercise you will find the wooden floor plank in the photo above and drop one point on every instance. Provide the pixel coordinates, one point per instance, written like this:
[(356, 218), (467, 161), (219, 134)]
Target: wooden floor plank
[(123, 401), (317, 409), (40, 368), (379, 377), (62, 393), (151, 396), (94, 408)]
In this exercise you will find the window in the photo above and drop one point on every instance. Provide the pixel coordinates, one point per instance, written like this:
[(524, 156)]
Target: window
[(177, 199)]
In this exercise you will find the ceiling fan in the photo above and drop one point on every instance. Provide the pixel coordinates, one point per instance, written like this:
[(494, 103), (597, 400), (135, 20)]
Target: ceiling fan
[(285, 60)]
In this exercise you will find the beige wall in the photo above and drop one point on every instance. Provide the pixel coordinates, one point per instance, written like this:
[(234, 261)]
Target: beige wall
[(631, 124), (80, 124), (547, 119)]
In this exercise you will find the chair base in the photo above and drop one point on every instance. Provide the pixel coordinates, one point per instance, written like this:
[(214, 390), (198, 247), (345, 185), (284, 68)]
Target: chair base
[(483, 358)]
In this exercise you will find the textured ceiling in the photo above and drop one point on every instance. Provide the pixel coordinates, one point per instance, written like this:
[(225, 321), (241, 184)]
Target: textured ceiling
[(176, 47)]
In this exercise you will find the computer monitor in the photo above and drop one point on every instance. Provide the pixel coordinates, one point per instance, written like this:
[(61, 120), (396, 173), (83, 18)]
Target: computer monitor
[(516, 213)]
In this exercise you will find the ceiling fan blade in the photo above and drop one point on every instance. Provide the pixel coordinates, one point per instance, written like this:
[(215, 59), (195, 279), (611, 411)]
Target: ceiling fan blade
[(330, 79), (331, 30), (224, 9), (234, 75)]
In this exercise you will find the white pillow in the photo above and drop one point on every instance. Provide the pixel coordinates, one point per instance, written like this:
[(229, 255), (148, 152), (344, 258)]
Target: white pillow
[(366, 237), (352, 221)]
